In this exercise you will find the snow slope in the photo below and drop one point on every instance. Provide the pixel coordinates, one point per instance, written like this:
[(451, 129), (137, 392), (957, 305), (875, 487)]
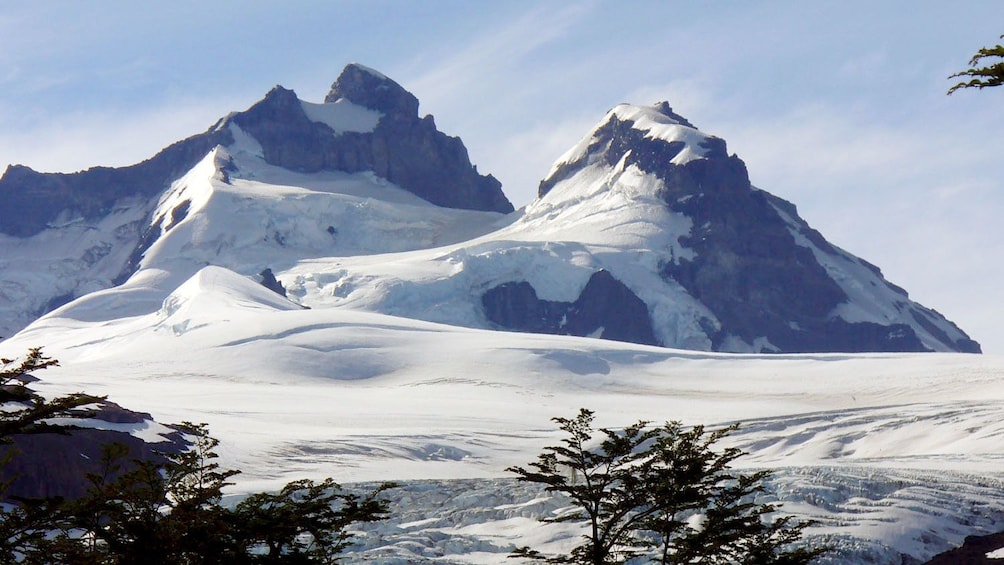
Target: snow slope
[(895, 454)]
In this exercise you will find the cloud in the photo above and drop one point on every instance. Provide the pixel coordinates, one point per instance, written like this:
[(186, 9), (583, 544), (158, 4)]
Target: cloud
[(493, 53)]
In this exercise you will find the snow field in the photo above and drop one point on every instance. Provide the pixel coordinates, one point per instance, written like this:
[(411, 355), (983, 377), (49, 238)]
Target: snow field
[(892, 454)]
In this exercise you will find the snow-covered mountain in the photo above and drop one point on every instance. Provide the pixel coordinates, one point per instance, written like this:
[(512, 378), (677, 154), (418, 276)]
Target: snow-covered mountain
[(646, 231), (65, 235), (393, 264)]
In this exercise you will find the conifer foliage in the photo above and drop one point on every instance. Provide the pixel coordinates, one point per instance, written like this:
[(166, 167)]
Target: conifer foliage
[(990, 74), (166, 510), (660, 495), (22, 411)]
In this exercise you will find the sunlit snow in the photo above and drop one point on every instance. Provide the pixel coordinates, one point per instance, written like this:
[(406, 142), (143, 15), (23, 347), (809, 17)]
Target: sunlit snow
[(343, 116)]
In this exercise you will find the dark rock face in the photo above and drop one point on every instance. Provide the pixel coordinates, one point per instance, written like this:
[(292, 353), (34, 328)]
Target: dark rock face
[(269, 281), (29, 200), (403, 149), (973, 551), (605, 303), (57, 464), (51, 464), (748, 269), (365, 87)]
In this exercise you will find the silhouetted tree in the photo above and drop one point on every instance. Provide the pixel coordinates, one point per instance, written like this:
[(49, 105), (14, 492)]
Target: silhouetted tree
[(663, 494), (305, 522), (24, 523), (166, 509)]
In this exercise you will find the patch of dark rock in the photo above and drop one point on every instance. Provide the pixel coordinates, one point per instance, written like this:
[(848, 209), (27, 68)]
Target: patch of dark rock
[(747, 266), (268, 280), (55, 302), (95, 253), (146, 240), (113, 413), (748, 270), (605, 305), (55, 463), (179, 213), (973, 551)]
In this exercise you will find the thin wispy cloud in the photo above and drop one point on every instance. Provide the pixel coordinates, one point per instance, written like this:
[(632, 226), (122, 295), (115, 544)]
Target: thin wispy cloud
[(492, 52), (82, 140)]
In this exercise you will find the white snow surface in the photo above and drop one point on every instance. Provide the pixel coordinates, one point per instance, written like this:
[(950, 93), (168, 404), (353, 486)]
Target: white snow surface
[(342, 116), (893, 454)]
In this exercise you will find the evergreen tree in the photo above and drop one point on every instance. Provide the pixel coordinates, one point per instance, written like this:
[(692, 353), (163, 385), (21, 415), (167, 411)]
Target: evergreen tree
[(605, 484), (163, 510), (991, 74), (663, 495), (25, 411), (305, 522), (169, 511), (24, 523)]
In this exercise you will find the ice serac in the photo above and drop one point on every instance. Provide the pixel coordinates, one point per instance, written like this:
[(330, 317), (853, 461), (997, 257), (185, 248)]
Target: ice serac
[(401, 147), (771, 282)]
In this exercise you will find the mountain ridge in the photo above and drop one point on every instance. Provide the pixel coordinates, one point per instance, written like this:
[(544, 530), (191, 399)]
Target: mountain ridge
[(658, 210)]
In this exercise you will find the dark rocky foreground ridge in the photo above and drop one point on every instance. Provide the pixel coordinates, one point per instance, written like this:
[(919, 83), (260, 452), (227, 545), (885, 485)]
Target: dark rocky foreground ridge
[(403, 148)]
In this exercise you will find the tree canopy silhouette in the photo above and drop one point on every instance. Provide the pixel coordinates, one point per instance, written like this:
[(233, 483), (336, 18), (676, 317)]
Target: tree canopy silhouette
[(662, 494)]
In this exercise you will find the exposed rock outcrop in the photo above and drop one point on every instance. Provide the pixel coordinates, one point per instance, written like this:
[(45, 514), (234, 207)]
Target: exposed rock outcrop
[(402, 148), (605, 308), (30, 200), (973, 551), (57, 464)]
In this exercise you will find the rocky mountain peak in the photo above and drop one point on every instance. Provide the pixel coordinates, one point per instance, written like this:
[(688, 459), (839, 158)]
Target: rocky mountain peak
[(767, 280), (371, 89), (396, 145), (655, 138)]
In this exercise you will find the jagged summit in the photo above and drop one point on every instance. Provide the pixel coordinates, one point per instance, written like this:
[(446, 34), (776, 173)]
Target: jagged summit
[(371, 89), (652, 137), (370, 128), (370, 123)]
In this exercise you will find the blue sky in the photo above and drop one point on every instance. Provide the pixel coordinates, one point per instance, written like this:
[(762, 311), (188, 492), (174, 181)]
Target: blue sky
[(839, 107)]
